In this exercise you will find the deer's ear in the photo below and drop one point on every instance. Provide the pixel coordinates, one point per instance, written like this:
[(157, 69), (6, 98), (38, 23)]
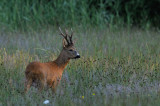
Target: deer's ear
[(64, 42)]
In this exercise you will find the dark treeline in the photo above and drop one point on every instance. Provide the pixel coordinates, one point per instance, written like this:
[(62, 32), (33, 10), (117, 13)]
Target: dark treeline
[(137, 12), (22, 13)]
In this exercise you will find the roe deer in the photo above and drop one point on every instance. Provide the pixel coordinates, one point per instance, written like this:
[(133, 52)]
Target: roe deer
[(50, 73)]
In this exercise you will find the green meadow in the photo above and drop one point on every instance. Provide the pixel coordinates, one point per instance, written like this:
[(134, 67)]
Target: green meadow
[(119, 44), (117, 67)]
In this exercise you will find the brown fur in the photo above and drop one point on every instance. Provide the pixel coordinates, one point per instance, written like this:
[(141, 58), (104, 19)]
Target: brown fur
[(49, 73)]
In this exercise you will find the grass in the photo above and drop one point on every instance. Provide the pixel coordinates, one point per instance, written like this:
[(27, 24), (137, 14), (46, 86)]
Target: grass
[(118, 67), (22, 14)]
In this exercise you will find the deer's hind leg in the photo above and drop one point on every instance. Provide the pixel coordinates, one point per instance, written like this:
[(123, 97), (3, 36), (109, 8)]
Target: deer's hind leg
[(41, 81)]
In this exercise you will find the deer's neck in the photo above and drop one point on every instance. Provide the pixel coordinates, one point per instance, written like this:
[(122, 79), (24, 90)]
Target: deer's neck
[(62, 60)]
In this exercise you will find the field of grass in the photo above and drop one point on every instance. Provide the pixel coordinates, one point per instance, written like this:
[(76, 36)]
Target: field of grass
[(117, 67)]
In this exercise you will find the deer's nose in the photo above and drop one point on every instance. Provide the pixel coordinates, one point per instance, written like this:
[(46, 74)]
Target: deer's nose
[(77, 55)]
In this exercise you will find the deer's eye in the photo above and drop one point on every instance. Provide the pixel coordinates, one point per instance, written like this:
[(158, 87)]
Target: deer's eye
[(70, 50)]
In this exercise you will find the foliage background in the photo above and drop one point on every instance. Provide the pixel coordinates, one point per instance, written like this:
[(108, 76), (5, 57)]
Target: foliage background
[(22, 13)]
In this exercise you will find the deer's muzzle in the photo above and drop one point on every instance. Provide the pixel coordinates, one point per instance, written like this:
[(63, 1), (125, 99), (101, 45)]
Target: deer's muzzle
[(77, 56)]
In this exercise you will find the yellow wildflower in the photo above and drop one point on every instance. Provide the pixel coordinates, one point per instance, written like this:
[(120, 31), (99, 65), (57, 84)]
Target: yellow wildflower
[(93, 94), (82, 97)]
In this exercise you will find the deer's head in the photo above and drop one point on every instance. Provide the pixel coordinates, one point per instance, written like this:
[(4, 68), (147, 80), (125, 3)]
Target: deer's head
[(69, 50)]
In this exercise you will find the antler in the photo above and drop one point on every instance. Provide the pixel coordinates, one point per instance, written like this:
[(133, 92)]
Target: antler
[(71, 36), (67, 35)]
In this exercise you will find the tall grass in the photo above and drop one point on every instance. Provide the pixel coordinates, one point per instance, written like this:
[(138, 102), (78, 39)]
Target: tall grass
[(119, 67), (21, 13), (37, 13)]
